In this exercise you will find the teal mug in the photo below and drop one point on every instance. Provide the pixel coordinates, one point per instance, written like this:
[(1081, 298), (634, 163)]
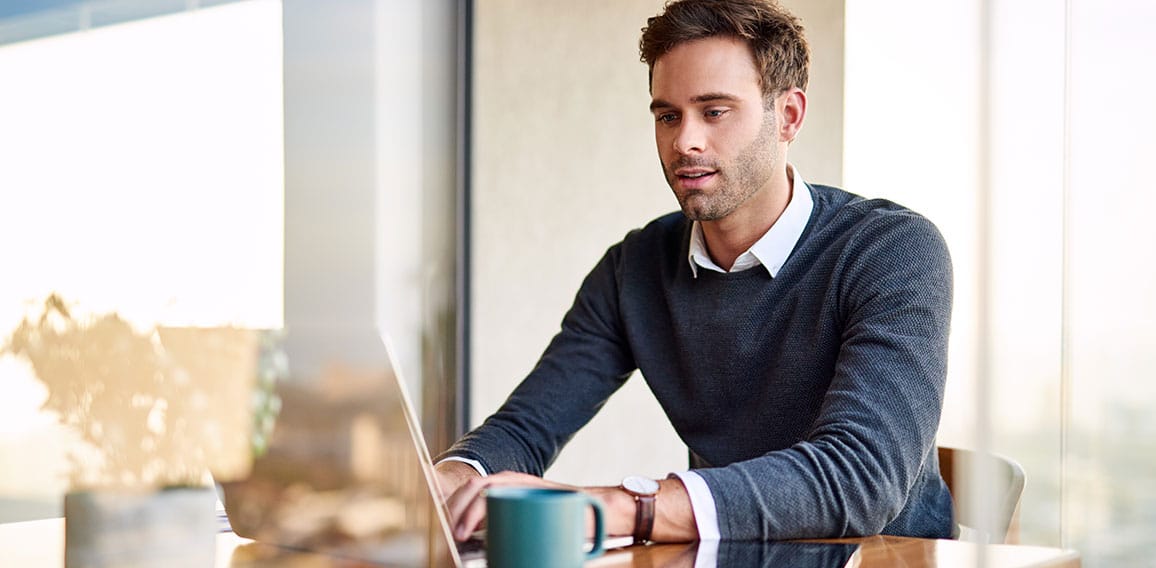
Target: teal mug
[(540, 527)]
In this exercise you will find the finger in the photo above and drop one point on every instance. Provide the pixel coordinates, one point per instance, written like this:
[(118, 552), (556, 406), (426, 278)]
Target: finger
[(464, 497), (471, 519), (513, 478), (467, 506)]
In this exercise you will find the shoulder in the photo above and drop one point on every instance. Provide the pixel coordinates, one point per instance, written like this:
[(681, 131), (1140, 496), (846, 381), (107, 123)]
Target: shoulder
[(871, 221), (873, 244)]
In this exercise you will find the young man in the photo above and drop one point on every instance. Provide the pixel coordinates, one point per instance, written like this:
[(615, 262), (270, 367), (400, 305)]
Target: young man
[(795, 334)]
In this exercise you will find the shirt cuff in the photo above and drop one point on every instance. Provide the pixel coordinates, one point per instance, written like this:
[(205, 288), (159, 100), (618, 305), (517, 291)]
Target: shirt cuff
[(702, 504), (477, 465)]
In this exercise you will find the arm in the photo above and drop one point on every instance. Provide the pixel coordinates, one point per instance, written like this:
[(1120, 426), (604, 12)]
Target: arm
[(586, 362), (856, 468)]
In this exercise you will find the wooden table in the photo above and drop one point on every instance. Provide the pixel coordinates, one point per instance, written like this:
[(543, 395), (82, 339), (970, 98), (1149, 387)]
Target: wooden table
[(41, 544)]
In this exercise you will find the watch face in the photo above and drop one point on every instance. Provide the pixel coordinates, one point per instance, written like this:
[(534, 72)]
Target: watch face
[(642, 485)]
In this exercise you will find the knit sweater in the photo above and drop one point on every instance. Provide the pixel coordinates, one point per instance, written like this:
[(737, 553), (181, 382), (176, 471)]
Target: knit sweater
[(809, 401)]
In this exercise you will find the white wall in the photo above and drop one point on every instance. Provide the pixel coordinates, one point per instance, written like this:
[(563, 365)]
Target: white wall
[(564, 166), (818, 150)]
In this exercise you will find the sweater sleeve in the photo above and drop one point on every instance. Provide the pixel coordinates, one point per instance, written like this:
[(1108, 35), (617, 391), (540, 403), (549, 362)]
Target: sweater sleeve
[(855, 470), (585, 363)]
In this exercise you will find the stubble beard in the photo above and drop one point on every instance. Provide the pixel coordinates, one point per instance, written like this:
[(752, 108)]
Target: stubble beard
[(751, 170)]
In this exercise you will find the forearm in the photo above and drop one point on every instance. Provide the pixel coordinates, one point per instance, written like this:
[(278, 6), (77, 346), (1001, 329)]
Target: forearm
[(807, 491), (559, 397)]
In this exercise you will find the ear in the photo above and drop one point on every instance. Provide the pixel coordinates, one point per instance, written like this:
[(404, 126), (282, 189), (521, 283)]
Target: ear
[(792, 109)]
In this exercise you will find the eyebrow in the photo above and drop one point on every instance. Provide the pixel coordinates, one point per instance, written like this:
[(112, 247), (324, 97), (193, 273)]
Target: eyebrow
[(703, 98)]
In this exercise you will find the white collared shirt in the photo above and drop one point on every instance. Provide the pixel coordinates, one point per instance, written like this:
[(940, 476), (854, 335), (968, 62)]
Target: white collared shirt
[(773, 248), (771, 252)]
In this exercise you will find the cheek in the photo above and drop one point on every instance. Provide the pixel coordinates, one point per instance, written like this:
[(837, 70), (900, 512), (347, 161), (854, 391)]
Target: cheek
[(661, 136), (733, 139), (664, 144)]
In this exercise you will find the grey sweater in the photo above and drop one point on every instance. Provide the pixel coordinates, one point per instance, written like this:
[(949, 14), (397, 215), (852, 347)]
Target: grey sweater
[(809, 402)]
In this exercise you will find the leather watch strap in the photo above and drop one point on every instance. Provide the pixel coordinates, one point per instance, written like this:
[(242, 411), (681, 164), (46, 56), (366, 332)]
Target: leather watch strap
[(645, 491), (643, 518)]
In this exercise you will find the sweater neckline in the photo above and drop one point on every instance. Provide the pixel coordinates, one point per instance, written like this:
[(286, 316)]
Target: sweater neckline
[(752, 272)]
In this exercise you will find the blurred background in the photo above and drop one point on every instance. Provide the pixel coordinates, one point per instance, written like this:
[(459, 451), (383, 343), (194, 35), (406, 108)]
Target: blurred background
[(447, 172)]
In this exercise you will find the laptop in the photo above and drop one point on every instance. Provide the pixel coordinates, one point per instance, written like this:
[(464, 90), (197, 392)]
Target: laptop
[(347, 471)]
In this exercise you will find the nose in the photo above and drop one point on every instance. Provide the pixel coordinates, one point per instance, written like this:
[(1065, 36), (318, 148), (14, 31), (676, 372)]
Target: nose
[(690, 137)]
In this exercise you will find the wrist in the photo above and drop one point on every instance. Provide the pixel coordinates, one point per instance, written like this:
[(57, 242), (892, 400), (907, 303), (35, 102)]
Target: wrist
[(452, 474), (619, 509)]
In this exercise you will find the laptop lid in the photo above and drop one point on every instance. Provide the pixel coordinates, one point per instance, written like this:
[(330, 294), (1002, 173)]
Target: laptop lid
[(347, 471)]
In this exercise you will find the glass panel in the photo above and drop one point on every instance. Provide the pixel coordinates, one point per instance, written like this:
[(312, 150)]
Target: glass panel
[(931, 163), (143, 175), (1070, 306), (1026, 155), (1110, 497)]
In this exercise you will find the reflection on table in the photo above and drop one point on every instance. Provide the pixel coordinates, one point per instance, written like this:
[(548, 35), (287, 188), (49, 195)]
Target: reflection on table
[(41, 543)]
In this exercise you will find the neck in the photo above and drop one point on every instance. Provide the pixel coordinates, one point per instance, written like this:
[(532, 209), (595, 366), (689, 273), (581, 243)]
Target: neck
[(729, 237)]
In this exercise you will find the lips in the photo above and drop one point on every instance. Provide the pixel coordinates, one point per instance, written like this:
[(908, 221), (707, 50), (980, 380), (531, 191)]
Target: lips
[(694, 178)]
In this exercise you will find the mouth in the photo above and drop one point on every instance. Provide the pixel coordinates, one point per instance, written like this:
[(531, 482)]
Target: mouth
[(694, 178), (693, 173)]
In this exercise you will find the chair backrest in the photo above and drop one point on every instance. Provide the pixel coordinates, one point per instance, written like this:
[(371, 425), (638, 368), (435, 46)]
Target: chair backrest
[(1002, 502)]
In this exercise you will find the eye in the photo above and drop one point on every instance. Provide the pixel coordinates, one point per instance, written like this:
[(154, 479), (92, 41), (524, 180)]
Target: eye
[(715, 112), (666, 117)]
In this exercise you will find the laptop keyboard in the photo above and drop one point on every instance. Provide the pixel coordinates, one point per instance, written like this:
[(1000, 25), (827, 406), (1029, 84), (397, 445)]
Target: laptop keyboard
[(473, 547)]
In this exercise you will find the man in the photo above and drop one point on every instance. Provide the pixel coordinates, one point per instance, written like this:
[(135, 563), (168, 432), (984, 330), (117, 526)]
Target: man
[(795, 334)]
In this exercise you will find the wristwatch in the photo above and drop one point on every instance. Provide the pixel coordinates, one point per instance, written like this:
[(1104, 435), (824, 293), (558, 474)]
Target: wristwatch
[(644, 490)]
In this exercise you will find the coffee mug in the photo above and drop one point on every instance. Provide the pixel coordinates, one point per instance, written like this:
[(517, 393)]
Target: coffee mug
[(540, 527)]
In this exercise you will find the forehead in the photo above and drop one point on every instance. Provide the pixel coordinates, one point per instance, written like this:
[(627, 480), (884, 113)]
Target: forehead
[(711, 65)]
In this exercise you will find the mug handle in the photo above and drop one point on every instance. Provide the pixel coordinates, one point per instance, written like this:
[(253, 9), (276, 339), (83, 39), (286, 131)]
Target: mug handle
[(599, 529)]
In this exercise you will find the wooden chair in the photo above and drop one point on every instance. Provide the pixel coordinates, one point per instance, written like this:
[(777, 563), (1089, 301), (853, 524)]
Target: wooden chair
[(1007, 486)]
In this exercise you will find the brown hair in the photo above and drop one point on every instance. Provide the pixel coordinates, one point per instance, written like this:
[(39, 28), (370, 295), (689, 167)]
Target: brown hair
[(774, 35)]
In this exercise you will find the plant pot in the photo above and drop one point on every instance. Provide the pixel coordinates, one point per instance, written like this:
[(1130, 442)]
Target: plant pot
[(165, 527)]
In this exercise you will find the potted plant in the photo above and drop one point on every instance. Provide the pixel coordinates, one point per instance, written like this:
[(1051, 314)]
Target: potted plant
[(159, 412)]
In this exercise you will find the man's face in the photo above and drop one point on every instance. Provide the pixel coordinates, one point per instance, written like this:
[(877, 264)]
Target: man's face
[(717, 144)]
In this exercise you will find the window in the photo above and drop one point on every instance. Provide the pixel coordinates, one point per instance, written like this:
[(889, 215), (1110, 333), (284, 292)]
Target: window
[(142, 173), (1054, 308)]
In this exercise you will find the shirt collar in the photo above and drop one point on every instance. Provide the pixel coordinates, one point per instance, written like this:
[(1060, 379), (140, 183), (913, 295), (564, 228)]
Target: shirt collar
[(773, 248)]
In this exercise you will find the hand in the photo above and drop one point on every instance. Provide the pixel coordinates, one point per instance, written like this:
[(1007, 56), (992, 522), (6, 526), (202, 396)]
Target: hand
[(453, 474), (467, 505)]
